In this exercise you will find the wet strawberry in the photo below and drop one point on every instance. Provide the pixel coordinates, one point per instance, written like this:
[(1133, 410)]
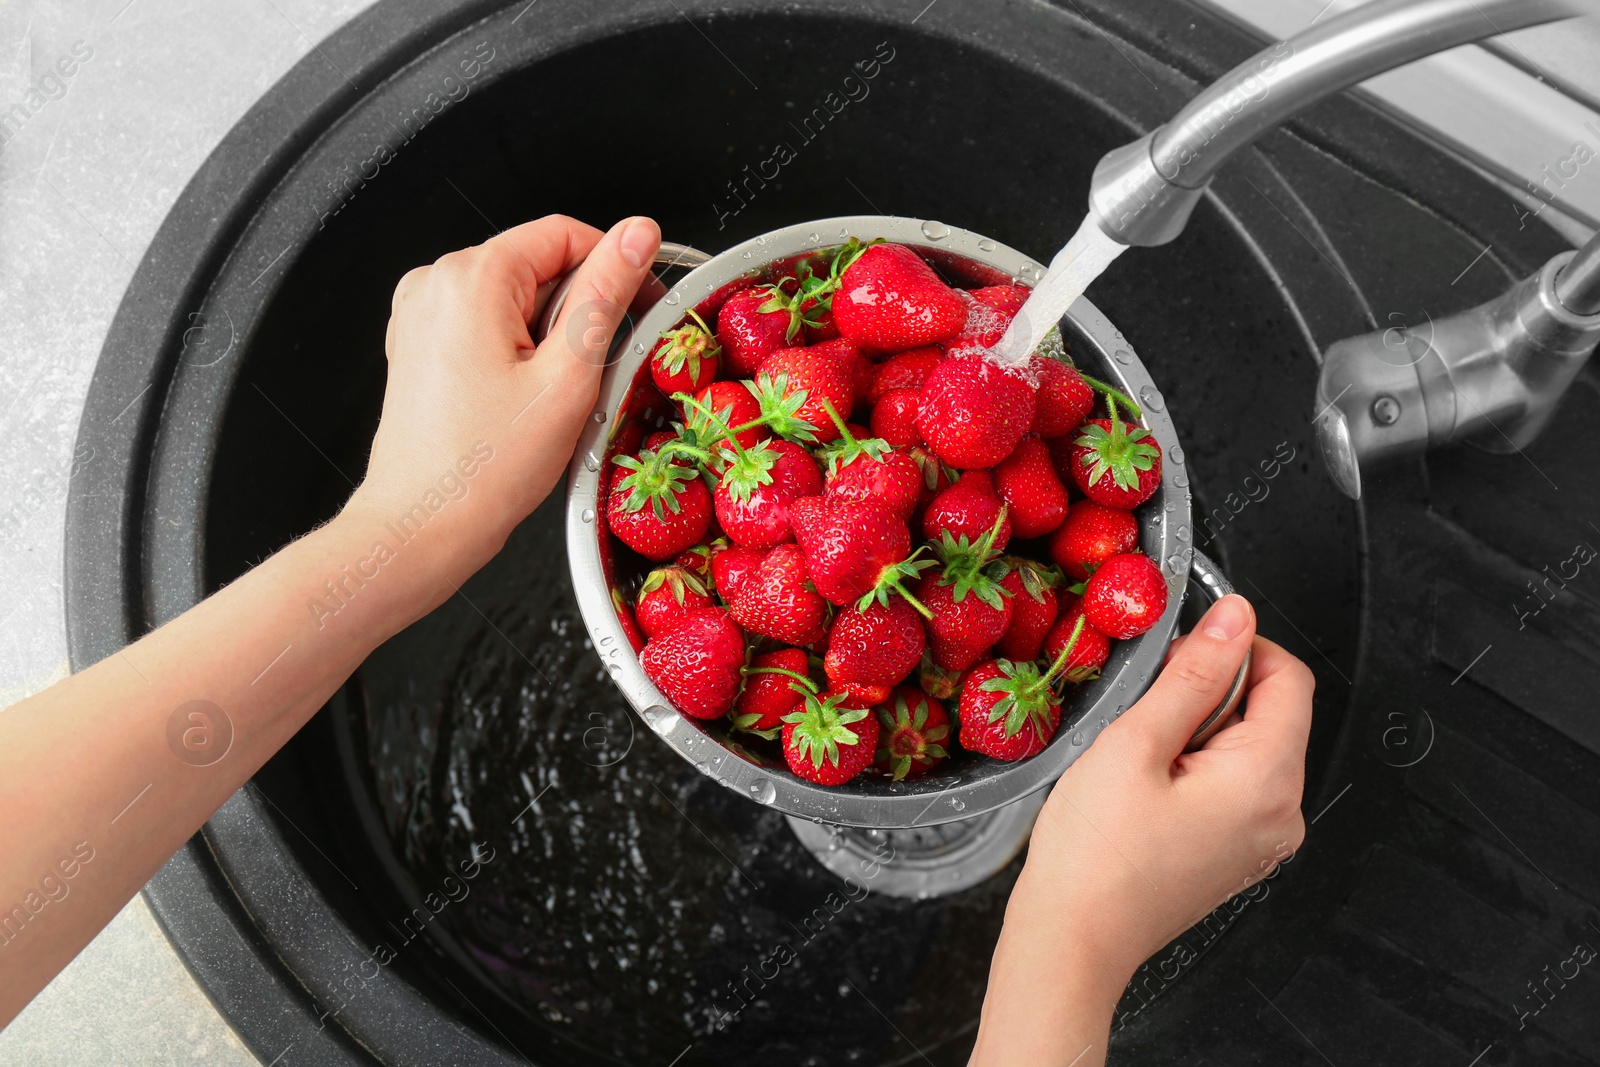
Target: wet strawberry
[(894, 417), (967, 610), (667, 595), (752, 324), (730, 567), (936, 681), (854, 549), (968, 509), (1088, 656), (802, 382), (1036, 501), (1115, 464), (658, 508), (1007, 299), (1125, 596), (1010, 710), (778, 601), (890, 300), (729, 405), (1092, 534), (757, 486), (936, 475), (974, 412), (697, 560), (913, 732), (686, 358), (830, 739), (984, 327), (875, 646), (908, 370), (870, 470), (697, 663), (1064, 399), (1033, 606), (769, 691)]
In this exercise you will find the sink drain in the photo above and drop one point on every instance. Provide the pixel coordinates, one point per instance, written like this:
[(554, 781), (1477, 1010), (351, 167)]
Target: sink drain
[(927, 861)]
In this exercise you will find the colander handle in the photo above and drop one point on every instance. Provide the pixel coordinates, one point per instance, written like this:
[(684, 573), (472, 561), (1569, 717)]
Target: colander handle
[(1209, 577), (671, 254)]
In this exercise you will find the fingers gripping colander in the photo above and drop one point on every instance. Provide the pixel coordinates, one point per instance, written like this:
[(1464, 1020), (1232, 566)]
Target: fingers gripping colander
[(969, 787)]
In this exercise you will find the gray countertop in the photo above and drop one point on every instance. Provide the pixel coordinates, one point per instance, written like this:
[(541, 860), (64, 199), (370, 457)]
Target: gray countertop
[(89, 165)]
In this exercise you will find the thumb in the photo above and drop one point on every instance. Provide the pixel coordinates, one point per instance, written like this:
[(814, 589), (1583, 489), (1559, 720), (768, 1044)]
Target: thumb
[(1194, 681), (602, 288)]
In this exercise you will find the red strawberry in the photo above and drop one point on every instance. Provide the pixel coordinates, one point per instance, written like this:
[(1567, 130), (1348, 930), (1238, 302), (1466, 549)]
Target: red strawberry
[(974, 412), (697, 663), (1088, 655), (908, 370), (983, 329), (730, 567), (630, 625), (1036, 501), (877, 646), (659, 508), (697, 560), (753, 496), (967, 610), (968, 509), (890, 300), (667, 595), (894, 417), (936, 681), (1115, 464), (1092, 534), (870, 470), (800, 384), (1064, 399), (752, 324), (854, 549), (1003, 298), (914, 730), (686, 358), (1010, 710), (829, 740), (778, 600), (769, 690), (936, 476), (1125, 596), (1033, 606), (733, 406)]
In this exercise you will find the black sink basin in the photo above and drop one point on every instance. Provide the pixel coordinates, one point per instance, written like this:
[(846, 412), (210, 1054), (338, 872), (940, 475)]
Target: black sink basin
[(472, 855)]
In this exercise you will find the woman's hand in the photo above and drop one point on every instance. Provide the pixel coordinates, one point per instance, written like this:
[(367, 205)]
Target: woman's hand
[(1139, 840), (479, 423)]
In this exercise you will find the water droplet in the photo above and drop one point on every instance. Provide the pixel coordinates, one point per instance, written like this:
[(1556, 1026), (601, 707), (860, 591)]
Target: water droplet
[(1122, 356), (935, 231), (1150, 396), (587, 515), (606, 639), (660, 718), (671, 298), (746, 254), (1176, 563), (764, 791), (704, 768), (615, 669), (590, 462), (600, 417), (1180, 479), (985, 245), (1077, 738), (814, 238), (761, 240), (1176, 452), (1182, 533), (639, 348), (958, 804)]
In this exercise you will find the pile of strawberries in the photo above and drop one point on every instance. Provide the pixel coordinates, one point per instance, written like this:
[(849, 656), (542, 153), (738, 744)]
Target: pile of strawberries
[(838, 583)]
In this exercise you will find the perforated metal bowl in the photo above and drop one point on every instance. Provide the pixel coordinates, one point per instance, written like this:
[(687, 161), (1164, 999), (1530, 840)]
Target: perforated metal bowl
[(968, 788)]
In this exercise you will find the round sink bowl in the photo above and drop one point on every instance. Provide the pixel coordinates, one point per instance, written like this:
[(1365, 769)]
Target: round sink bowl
[(622, 907)]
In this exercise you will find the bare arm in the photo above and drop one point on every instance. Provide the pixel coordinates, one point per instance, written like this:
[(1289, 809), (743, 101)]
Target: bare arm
[(1139, 841), (104, 775)]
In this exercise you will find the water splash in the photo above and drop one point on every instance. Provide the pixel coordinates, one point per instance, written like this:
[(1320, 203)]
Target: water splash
[(1074, 269)]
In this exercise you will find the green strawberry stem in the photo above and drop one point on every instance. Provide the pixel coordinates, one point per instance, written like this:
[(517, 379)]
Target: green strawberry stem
[(653, 479), (778, 407), (810, 686), (892, 579), (846, 450), (1049, 677), (1113, 396)]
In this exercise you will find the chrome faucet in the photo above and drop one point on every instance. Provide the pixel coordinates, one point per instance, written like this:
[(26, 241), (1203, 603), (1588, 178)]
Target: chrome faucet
[(1493, 374)]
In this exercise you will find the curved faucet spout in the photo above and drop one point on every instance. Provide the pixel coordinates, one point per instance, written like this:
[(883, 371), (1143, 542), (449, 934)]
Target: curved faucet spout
[(1144, 192)]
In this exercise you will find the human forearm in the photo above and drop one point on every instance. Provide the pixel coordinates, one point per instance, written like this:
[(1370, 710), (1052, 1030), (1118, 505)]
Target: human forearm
[(124, 761)]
